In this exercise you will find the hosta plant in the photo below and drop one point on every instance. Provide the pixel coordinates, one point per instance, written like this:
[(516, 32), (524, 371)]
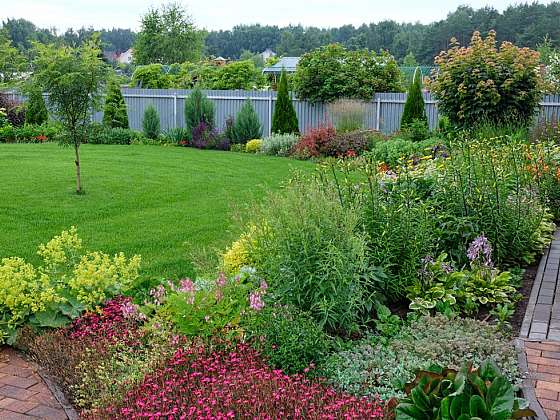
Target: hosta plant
[(469, 393)]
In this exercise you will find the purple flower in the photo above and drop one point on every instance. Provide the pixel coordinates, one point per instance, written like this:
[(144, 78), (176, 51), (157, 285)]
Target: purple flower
[(480, 249), (221, 280), (158, 294), (131, 312), (255, 301)]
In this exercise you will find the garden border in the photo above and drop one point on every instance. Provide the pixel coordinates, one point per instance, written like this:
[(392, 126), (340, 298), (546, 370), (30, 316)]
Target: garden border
[(528, 386)]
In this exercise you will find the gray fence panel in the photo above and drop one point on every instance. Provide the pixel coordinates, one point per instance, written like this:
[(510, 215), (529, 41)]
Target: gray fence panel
[(383, 113)]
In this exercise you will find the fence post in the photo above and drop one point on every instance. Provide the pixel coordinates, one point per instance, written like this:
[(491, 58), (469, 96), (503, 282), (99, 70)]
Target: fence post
[(175, 110), (378, 113), (269, 112)]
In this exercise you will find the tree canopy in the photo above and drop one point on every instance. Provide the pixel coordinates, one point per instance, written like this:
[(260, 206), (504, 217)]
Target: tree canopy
[(168, 36)]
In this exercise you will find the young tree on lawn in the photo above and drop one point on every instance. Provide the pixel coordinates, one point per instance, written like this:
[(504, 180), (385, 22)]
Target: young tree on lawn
[(414, 107), (285, 119), (114, 112), (74, 80)]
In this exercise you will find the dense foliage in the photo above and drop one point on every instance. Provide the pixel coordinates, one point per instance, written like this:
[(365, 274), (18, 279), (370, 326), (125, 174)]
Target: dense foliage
[(36, 110), (414, 110), (524, 24), (150, 122), (373, 367), (168, 36), (247, 125), (333, 72), (198, 109), (483, 83), (69, 281), (284, 120), (114, 111)]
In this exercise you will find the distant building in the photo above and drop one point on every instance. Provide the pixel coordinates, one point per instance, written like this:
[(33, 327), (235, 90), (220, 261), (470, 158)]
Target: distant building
[(287, 63), (125, 57), (220, 61), (266, 54)]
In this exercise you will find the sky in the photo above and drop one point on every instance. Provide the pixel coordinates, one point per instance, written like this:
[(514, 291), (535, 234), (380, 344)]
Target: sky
[(224, 14)]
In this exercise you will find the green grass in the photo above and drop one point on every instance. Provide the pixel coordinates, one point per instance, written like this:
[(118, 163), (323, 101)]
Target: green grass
[(164, 203)]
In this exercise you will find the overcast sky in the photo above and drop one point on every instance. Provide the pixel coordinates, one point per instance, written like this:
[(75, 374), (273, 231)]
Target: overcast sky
[(224, 14)]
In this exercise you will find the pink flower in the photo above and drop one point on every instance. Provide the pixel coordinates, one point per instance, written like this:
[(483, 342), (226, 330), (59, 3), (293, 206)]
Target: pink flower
[(255, 301)]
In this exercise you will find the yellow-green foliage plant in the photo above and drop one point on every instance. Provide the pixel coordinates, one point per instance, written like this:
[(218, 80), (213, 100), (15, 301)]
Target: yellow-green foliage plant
[(69, 281), (254, 146), (237, 255)]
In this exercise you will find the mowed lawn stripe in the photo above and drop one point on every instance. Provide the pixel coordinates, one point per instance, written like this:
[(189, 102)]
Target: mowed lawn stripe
[(160, 202)]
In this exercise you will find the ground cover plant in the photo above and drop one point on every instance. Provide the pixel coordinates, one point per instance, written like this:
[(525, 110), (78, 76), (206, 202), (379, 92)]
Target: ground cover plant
[(142, 200)]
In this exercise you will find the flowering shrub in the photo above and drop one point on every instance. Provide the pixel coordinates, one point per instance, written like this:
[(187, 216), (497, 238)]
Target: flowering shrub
[(234, 384), (206, 137), (253, 146), (29, 133), (216, 310), (481, 82), (69, 282)]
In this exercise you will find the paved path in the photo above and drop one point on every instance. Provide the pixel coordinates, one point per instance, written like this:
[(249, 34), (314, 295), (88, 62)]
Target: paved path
[(540, 336), (23, 394)]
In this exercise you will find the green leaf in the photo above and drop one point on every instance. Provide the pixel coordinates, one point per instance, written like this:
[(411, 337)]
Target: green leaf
[(488, 370), (49, 319), (500, 397), (445, 409), (420, 399), (477, 406), (407, 411)]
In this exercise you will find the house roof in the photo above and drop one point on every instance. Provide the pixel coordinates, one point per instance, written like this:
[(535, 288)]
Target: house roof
[(287, 63)]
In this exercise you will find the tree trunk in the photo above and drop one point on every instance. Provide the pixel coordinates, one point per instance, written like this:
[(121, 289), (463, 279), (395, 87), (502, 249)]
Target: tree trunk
[(78, 177)]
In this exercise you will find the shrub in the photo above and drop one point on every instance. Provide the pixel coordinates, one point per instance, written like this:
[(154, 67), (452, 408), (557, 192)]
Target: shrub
[(349, 144), (151, 76), (333, 72), (69, 281), (383, 367), (247, 125), (307, 246), (114, 113), (178, 135), (150, 123), (347, 115), (315, 142), (30, 133), (205, 137), (279, 144), (14, 109), (483, 83), (396, 151), (36, 110), (115, 135), (288, 338), (237, 255), (237, 383), (217, 310), (198, 109), (414, 110), (284, 120), (253, 146)]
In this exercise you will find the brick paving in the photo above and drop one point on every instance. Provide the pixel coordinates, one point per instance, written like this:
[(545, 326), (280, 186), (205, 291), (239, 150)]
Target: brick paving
[(23, 394), (540, 336)]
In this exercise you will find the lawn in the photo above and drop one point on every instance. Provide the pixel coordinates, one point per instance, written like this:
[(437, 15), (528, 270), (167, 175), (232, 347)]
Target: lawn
[(164, 203)]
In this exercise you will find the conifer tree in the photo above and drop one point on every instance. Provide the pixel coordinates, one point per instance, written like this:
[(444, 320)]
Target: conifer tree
[(114, 113), (247, 125), (285, 120), (36, 109), (198, 108), (414, 108)]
